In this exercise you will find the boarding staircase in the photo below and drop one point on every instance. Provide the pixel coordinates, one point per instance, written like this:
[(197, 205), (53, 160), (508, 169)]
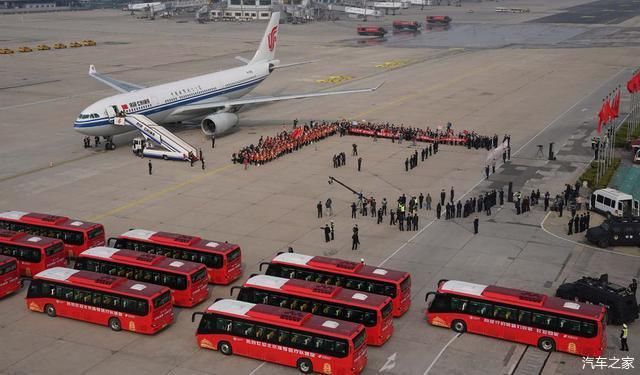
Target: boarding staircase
[(158, 134)]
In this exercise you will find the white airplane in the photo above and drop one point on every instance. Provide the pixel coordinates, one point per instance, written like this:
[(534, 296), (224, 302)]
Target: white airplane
[(156, 6), (214, 97)]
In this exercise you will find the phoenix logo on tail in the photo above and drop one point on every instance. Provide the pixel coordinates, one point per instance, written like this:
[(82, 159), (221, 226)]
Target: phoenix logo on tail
[(273, 35)]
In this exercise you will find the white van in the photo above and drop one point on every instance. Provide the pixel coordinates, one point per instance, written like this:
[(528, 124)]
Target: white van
[(614, 202)]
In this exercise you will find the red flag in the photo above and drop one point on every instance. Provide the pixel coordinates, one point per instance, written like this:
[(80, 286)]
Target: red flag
[(602, 117), (631, 83), (297, 132), (616, 105), (607, 110)]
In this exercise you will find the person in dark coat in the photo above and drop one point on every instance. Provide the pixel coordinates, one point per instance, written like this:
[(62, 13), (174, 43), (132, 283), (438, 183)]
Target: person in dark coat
[(476, 222), (443, 196), (355, 241), (438, 210), (459, 209), (576, 224), (327, 233), (150, 168), (570, 226)]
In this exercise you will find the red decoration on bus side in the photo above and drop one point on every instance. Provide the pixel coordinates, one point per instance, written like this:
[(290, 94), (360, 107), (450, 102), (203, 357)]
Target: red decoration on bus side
[(271, 39)]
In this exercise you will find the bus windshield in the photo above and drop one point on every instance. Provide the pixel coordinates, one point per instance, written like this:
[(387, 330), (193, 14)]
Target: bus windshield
[(359, 339), (387, 310), (162, 300), (95, 232)]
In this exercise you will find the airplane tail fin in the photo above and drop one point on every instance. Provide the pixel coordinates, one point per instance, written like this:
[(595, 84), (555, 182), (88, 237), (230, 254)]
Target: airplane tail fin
[(267, 50)]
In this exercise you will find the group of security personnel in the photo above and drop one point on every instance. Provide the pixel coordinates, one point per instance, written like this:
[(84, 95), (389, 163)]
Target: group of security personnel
[(404, 215), (579, 223)]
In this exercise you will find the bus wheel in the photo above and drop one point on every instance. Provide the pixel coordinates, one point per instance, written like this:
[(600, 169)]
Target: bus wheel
[(114, 324), (603, 243), (459, 326), (50, 310), (305, 366), (225, 348), (547, 344), (165, 157)]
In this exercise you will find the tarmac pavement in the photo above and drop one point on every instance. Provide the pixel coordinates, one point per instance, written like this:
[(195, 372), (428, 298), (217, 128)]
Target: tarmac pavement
[(537, 95)]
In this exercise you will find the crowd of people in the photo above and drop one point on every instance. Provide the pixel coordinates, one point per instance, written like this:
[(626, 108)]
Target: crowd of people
[(286, 142), (401, 132)]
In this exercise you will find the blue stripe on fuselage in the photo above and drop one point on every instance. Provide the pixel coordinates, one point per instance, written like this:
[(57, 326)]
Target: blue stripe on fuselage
[(179, 103)]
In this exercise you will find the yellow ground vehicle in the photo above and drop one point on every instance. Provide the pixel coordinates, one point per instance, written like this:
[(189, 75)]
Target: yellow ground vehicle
[(43, 47), (59, 46), (6, 51), (75, 44), (89, 42), (24, 49)]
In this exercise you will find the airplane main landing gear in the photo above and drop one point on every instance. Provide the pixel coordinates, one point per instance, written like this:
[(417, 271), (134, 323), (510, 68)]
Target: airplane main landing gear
[(109, 145)]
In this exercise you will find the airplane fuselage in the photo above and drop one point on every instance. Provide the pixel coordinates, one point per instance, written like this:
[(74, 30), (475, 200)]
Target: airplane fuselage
[(159, 103)]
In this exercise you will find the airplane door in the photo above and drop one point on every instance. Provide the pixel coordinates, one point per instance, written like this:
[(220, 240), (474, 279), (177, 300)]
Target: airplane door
[(636, 208), (111, 111)]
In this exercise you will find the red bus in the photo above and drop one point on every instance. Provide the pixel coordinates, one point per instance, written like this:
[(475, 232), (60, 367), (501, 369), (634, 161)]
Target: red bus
[(34, 254), (347, 274), (222, 259), (292, 338), (77, 235), (9, 276), (101, 299), (529, 318), (371, 310), (187, 280)]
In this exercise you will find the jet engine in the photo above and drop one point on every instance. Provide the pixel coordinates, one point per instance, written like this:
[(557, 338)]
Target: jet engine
[(218, 123)]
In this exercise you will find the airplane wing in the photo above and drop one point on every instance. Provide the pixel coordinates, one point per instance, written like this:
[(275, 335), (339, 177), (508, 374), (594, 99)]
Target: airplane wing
[(112, 82), (265, 99)]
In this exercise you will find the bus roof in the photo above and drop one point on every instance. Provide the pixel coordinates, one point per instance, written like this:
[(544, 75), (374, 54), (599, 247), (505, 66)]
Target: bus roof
[(101, 282), (285, 317), (322, 291), (180, 240), (24, 239), (159, 262), (522, 298), (46, 220), (613, 193), (6, 259), (341, 266)]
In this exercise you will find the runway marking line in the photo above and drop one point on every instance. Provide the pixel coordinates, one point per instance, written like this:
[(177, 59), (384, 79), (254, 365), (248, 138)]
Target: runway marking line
[(158, 193), (440, 353)]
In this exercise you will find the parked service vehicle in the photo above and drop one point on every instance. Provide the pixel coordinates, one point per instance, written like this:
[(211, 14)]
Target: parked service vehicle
[(371, 31), (59, 46), (406, 25), (43, 47), (616, 231), (438, 20), (75, 44), (6, 51), (88, 42), (620, 302), (24, 49), (614, 202), (142, 147)]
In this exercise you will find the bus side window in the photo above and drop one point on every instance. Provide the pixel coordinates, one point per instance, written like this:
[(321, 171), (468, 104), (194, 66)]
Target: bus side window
[(223, 325), (504, 313), (524, 317), (544, 321), (607, 202), (96, 299), (569, 326), (600, 198), (304, 275), (283, 337), (340, 349), (458, 304), (482, 309)]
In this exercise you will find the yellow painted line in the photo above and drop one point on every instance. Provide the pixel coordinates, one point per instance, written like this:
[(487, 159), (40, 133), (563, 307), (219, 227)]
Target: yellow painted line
[(435, 87), (334, 79), (158, 193), (393, 64)]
